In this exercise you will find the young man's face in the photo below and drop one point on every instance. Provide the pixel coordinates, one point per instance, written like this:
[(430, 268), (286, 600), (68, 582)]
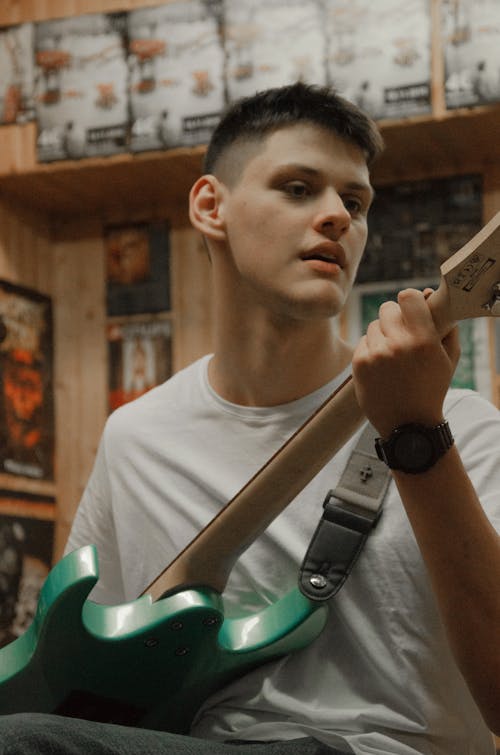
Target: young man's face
[(296, 222)]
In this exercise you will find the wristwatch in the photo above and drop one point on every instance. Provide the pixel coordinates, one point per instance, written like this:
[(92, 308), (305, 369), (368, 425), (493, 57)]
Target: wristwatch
[(414, 448)]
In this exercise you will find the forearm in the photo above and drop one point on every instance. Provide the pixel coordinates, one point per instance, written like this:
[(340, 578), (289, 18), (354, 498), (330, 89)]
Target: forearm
[(461, 550)]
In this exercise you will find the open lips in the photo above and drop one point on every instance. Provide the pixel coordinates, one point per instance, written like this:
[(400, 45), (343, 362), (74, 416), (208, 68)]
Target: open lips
[(329, 253)]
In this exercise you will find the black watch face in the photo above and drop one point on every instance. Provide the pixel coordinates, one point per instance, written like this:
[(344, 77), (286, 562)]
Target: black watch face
[(413, 450)]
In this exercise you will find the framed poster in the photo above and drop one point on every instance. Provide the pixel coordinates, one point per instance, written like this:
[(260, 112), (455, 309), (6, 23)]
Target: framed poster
[(81, 86), (140, 357), (17, 74), (26, 383), (138, 268), (26, 545)]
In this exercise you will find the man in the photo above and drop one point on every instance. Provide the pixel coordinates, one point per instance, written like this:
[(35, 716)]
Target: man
[(408, 662)]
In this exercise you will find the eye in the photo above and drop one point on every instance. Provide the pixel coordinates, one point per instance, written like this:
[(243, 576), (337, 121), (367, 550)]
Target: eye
[(353, 205), (297, 189)]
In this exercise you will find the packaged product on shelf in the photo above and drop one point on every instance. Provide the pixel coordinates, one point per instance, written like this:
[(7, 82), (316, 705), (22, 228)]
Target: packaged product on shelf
[(26, 383), (16, 74), (176, 64), (272, 43), (471, 44), (379, 55), (81, 86)]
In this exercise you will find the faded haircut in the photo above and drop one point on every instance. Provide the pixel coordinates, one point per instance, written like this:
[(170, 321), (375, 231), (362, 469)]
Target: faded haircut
[(251, 119)]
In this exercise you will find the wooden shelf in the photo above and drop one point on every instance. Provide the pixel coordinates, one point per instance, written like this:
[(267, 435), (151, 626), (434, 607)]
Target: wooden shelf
[(458, 142), (126, 185)]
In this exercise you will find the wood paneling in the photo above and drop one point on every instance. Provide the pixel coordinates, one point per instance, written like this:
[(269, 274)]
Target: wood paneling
[(81, 369), (66, 261), (71, 272)]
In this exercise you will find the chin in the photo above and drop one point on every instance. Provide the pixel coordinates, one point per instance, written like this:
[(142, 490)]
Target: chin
[(316, 309)]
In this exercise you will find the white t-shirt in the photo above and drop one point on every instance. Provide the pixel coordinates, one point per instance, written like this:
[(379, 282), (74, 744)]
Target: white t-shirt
[(380, 678)]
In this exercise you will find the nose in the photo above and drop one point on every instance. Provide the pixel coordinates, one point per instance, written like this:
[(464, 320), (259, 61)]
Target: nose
[(332, 218)]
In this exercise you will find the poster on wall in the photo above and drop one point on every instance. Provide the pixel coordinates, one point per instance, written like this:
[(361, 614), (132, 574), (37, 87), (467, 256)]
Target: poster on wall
[(139, 357), (81, 80), (26, 545), (16, 74), (471, 44), (379, 55), (272, 43), (415, 226), (176, 64), (26, 383), (138, 268)]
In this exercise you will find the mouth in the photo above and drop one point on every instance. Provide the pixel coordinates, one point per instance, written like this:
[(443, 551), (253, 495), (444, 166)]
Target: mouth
[(326, 257)]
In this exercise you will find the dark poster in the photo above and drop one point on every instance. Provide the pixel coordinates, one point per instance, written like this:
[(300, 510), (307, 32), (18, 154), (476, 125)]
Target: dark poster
[(25, 561), (138, 266), (414, 227), (26, 383)]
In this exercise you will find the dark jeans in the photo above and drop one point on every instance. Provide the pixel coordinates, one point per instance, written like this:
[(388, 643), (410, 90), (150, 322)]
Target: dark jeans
[(40, 734)]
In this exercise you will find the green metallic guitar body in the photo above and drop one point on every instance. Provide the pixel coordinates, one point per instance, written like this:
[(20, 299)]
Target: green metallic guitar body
[(143, 663)]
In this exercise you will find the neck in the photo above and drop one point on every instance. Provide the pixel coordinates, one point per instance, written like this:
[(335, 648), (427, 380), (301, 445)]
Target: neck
[(269, 363)]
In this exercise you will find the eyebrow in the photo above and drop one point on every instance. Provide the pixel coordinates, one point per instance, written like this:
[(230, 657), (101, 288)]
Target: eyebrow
[(314, 172)]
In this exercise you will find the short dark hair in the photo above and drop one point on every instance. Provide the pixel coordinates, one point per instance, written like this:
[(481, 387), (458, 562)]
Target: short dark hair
[(259, 115)]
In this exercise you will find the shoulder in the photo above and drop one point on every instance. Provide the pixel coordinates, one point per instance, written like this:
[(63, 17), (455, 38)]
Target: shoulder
[(175, 397), (468, 407), (475, 424)]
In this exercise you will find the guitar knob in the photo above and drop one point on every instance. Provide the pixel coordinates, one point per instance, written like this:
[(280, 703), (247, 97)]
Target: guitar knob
[(493, 305)]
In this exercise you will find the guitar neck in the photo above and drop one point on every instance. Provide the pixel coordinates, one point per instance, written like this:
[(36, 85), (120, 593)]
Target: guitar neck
[(209, 558), (468, 279)]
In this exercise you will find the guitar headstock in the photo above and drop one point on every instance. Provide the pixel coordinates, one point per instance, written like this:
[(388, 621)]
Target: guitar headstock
[(472, 275)]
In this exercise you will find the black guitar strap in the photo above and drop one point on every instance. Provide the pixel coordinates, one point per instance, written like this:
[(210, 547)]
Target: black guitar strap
[(350, 512)]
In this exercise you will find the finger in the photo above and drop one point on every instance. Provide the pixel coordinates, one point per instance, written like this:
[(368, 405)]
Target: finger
[(415, 311), (373, 338), (390, 317)]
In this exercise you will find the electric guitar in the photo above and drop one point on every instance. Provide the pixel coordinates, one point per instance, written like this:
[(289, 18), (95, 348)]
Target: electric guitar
[(152, 662)]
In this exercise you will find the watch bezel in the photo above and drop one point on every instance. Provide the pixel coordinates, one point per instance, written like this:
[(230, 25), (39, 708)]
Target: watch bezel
[(438, 438)]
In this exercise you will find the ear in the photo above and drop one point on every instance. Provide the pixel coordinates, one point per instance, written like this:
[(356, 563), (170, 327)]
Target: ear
[(205, 207)]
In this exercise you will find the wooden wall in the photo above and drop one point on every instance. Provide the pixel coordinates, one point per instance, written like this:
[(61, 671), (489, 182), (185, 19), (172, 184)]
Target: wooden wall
[(67, 263)]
